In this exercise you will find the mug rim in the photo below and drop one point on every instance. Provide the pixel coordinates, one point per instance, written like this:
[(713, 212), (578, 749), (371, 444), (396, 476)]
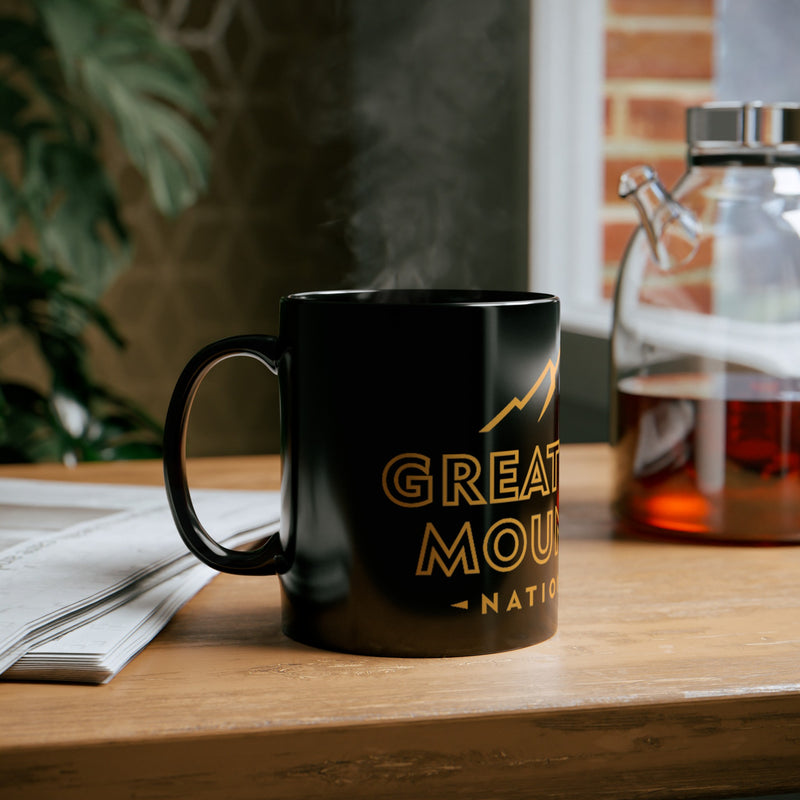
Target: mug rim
[(424, 297)]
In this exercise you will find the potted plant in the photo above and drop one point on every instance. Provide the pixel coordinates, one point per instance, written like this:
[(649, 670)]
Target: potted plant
[(70, 71)]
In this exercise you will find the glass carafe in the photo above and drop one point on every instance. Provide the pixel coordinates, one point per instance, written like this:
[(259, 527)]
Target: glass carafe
[(706, 338)]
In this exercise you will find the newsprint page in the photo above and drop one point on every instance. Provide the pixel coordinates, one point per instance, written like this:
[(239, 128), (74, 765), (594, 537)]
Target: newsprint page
[(89, 573)]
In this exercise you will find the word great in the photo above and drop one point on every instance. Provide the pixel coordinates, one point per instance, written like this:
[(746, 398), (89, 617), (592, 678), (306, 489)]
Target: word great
[(409, 480)]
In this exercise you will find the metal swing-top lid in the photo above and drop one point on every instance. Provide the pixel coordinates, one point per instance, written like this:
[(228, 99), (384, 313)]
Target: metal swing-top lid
[(743, 127)]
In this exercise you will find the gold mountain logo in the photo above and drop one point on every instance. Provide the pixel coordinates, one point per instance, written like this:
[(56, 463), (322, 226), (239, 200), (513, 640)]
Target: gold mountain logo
[(550, 372)]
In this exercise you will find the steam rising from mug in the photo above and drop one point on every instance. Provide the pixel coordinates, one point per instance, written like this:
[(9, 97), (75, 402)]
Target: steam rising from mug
[(437, 112)]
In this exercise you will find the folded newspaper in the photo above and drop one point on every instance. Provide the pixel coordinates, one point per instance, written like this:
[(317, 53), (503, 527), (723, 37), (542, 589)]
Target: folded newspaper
[(89, 573)]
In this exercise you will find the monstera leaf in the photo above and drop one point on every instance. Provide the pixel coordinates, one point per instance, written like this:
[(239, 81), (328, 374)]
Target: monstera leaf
[(111, 53), (71, 72), (68, 197), (73, 65)]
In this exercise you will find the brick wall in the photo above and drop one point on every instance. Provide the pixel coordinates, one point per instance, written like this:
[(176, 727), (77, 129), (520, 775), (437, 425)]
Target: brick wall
[(659, 61)]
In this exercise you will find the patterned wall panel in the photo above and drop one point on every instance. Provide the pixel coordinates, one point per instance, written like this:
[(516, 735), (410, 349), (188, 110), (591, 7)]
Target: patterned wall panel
[(263, 230)]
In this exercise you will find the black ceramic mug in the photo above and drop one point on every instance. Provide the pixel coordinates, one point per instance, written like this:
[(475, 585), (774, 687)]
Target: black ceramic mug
[(420, 461)]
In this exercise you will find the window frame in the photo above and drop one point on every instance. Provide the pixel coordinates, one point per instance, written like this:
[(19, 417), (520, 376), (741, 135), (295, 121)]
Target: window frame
[(567, 75)]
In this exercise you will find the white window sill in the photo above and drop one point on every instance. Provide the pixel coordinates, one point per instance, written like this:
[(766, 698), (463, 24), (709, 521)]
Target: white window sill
[(588, 320), (567, 74)]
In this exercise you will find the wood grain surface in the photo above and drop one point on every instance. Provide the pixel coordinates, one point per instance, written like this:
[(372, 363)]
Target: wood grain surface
[(675, 673)]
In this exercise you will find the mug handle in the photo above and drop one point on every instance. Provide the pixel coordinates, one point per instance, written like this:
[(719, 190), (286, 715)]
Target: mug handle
[(264, 560)]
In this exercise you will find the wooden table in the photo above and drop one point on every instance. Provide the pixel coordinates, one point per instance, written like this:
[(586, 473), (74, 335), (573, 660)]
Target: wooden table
[(675, 673)]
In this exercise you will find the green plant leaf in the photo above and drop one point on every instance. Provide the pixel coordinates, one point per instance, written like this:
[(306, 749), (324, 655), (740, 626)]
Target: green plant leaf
[(22, 41), (32, 74), (148, 86), (34, 427), (28, 432), (42, 303), (9, 207), (61, 69), (74, 209), (12, 103)]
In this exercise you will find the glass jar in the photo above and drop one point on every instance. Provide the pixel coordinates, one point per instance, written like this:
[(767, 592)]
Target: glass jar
[(706, 336)]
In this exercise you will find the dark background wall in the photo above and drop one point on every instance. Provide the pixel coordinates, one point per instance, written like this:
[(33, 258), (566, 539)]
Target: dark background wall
[(356, 143)]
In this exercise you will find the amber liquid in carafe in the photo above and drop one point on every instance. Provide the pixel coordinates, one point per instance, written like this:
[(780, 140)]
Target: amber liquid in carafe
[(709, 457)]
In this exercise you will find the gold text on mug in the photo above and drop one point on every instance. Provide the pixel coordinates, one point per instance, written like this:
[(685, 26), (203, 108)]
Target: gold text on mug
[(408, 479)]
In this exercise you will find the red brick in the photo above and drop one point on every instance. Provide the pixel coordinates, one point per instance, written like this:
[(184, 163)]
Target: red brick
[(668, 169), (688, 296), (657, 119), (659, 54), (609, 285), (663, 8), (699, 263), (615, 239)]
